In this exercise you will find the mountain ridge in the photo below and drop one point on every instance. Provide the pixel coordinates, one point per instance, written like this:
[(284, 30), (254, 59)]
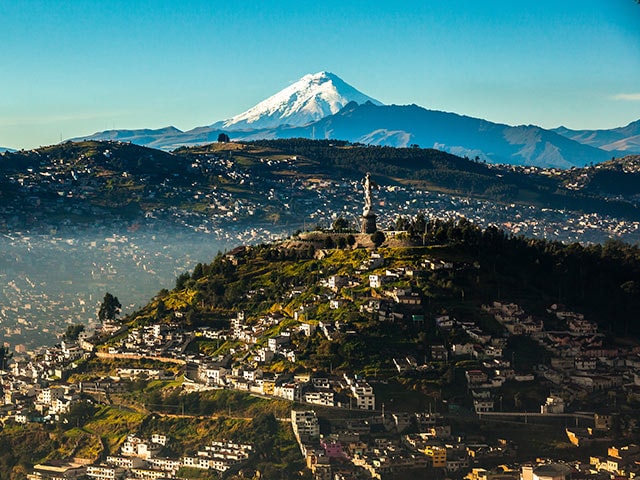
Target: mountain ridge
[(323, 106), (457, 134), (622, 139)]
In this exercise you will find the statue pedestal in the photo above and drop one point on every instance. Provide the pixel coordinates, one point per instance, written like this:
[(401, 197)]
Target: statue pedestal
[(369, 223)]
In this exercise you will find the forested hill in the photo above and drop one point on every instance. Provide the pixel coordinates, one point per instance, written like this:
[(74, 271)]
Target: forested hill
[(600, 281)]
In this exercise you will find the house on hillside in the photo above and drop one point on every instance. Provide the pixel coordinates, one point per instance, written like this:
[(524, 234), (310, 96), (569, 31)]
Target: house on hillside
[(237, 255)]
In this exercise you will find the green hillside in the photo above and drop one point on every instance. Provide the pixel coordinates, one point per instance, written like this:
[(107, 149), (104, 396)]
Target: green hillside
[(435, 271), (598, 280)]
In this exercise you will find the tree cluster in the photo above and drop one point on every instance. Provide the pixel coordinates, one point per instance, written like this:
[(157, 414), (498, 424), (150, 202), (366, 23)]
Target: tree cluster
[(601, 280), (110, 308)]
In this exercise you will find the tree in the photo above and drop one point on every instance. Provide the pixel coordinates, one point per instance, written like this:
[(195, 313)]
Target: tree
[(402, 224), (630, 288), (191, 318), (73, 332), (378, 238), (351, 240), (181, 280), (198, 271), (264, 427), (340, 224), (328, 242), (5, 356), (161, 310), (80, 412), (110, 308), (223, 138)]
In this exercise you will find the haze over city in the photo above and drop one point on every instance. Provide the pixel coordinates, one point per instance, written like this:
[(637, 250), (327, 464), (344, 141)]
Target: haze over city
[(74, 69)]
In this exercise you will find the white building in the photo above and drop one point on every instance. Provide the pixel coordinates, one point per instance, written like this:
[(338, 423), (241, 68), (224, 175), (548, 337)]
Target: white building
[(212, 374), (48, 395), (219, 456), (136, 447), (104, 472), (160, 439), (287, 391), (377, 281), (337, 281), (364, 396), (553, 404), (308, 329), (125, 462), (275, 342), (320, 398)]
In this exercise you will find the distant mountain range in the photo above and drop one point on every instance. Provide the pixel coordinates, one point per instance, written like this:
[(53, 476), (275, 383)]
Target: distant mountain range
[(323, 106), (402, 126), (5, 149), (622, 139)]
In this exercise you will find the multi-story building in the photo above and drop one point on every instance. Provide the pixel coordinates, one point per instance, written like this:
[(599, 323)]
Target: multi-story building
[(219, 456), (305, 425), (212, 374), (105, 472), (320, 398), (437, 455), (364, 396), (125, 462)]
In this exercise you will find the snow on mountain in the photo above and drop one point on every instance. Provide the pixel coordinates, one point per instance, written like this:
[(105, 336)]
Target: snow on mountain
[(322, 105), (309, 99)]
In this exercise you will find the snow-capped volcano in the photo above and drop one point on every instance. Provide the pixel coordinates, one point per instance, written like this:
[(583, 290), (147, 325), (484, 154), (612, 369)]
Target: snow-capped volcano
[(322, 106), (311, 98)]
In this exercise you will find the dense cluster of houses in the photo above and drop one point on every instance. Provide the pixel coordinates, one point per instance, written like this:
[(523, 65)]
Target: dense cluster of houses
[(376, 447), (31, 388), (141, 458), (35, 390), (350, 451), (619, 463), (333, 391), (580, 361)]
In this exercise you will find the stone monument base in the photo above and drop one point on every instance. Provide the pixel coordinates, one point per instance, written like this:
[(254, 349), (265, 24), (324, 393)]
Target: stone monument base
[(369, 223)]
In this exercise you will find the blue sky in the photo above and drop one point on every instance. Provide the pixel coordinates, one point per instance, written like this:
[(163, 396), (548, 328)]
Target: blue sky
[(74, 67)]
